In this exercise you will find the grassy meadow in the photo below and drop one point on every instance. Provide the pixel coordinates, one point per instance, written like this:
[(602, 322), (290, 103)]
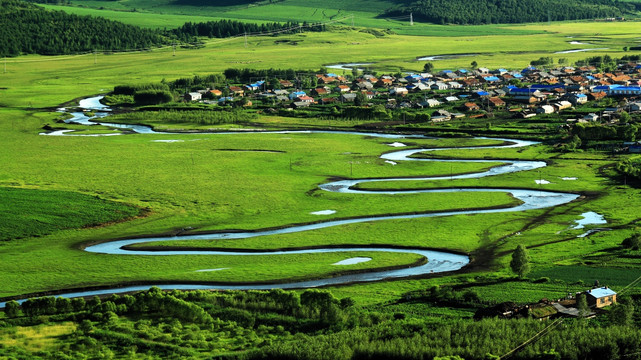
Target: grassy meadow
[(199, 184)]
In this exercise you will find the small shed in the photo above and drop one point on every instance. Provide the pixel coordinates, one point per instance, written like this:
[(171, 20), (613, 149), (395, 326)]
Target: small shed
[(601, 297)]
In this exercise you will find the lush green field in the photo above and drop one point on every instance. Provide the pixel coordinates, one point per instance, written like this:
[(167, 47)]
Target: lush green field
[(193, 184), (31, 212)]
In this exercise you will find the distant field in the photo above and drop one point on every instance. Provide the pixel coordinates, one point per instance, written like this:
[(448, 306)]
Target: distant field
[(143, 19), (358, 13)]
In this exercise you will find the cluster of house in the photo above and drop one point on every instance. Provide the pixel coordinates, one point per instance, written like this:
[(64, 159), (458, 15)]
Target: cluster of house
[(467, 91), (597, 298)]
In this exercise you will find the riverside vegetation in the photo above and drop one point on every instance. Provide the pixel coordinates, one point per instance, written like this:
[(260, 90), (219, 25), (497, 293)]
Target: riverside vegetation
[(176, 183)]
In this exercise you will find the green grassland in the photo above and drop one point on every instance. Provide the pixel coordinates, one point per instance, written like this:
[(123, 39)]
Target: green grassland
[(193, 184), (31, 212)]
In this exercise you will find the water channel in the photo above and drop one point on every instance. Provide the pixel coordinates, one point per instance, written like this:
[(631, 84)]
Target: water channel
[(438, 261)]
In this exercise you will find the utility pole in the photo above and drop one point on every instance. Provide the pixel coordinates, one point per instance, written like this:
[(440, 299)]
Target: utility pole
[(411, 19), (5, 65), (245, 38), (95, 57), (174, 46), (352, 20)]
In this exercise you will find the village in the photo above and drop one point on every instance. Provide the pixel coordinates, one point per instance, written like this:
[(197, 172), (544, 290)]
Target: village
[(578, 94)]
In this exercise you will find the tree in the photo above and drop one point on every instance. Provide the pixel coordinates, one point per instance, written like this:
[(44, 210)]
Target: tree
[(361, 99), (474, 64), (520, 263), (582, 305), (78, 304), (624, 117), (355, 72), (428, 67), (633, 242), (621, 313), (11, 308)]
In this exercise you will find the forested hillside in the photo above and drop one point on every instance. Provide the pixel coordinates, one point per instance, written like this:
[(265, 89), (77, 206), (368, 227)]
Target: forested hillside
[(510, 11), (29, 29)]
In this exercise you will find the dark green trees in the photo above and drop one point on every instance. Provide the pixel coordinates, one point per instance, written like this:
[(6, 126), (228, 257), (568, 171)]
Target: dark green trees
[(520, 263), (29, 29), (11, 309), (476, 12)]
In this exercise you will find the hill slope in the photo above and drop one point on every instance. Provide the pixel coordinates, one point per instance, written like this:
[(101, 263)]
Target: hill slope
[(510, 11), (29, 29)]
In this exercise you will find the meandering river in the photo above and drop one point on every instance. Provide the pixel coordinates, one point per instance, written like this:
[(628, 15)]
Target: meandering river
[(438, 261)]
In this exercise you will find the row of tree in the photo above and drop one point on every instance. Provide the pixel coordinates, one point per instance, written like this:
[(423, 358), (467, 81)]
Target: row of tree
[(229, 28), (510, 11), (194, 116)]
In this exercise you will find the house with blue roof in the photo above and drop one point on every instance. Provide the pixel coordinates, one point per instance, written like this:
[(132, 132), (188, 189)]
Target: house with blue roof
[(577, 98), (601, 297), (625, 90), (525, 91), (491, 79), (604, 88), (413, 78), (296, 94), (528, 69), (547, 86)]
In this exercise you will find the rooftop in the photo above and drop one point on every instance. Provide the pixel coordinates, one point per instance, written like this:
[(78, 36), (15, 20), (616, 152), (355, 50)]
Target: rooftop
[(601, 292)]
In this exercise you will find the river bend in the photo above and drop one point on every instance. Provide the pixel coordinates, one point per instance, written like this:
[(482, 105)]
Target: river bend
[(438, 261)]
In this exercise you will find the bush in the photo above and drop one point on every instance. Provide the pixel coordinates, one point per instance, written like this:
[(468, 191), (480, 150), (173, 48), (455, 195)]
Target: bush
[(633, 242), (152, 97)]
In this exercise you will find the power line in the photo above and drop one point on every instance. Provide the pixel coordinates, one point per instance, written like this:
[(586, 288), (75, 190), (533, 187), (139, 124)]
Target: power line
[(533, 338)]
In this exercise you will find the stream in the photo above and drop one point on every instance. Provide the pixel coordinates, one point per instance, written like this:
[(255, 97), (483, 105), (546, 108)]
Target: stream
[(438, 261)]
